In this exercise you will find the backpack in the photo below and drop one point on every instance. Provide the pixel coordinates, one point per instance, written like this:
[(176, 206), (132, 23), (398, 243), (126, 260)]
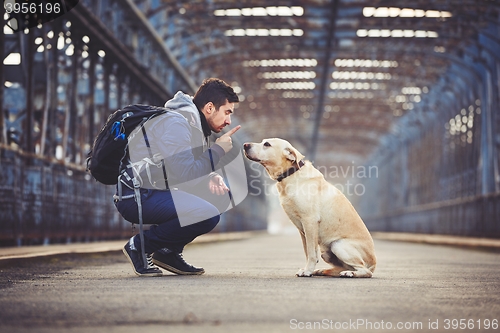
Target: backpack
[(108, 155)]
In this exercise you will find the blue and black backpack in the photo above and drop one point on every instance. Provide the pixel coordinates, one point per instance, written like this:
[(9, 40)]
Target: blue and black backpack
[(109, 154)]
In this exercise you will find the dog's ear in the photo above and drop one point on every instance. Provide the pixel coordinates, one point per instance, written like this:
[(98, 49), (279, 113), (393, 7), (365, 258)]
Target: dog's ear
[(290, 154), (293, 155)]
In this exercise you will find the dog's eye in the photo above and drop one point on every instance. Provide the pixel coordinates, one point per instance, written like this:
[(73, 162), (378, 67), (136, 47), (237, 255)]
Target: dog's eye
[(267, 144)]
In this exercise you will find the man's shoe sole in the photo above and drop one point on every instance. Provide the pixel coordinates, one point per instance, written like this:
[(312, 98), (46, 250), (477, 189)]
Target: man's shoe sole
[(175, 270), (133, 267)]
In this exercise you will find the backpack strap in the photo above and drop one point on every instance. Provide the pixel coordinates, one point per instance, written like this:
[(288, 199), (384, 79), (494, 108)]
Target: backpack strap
[(137, 181), (120, 183), (137, 192), (137, 196)]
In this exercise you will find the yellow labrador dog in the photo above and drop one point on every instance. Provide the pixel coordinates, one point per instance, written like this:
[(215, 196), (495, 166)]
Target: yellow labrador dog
[(323, 215)]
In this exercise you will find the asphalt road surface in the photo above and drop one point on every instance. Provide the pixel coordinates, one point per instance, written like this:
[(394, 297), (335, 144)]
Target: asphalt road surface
[(250, 286)]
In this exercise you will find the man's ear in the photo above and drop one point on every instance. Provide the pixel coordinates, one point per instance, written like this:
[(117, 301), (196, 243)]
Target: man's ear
[(209, 108), (290, 154)]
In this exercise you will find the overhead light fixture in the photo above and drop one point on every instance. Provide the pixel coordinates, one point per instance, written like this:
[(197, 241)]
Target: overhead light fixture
[(396, 33), (357, 86), (411, 90), (261, 11), (70, 50), (287, 75), (439, 49), (404, 12), (365, 63), (281, 63), (297, 94), (350, 95), (290, 85), (264, 32), (345, 75), (12, 59)]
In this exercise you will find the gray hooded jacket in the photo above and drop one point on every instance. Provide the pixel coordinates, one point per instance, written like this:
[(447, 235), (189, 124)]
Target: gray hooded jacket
[(178, 138)]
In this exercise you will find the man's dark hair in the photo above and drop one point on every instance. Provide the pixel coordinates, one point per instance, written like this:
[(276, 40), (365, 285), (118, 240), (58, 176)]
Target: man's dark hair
[(215, 91)]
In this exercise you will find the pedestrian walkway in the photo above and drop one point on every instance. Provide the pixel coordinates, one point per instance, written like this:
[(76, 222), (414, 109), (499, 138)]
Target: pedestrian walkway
[(250, 286), (20, 252)]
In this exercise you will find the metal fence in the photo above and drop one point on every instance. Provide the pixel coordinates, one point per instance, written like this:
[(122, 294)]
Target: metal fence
[(73, 72), (438, 172), (43, 202)]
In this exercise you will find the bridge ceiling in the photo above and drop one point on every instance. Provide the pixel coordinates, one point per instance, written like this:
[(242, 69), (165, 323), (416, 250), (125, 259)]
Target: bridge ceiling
[(383, 62)]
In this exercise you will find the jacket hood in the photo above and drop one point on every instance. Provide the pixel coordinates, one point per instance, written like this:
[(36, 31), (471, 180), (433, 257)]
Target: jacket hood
[(183, 103)]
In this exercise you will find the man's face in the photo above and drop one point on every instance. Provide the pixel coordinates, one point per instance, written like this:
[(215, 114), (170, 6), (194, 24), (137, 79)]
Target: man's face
[(218, 119)]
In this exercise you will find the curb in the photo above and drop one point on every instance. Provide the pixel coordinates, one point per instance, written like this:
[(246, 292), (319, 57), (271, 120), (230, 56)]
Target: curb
[(471, 242), (23, 252)]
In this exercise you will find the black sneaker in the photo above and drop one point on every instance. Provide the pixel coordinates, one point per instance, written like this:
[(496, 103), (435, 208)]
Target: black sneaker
[(175, 263), (135, 258)]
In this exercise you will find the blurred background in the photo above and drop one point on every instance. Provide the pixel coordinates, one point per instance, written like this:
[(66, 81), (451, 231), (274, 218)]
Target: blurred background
[(396, 102)]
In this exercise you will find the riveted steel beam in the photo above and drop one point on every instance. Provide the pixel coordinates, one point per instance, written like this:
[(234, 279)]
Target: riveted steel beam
[(126, 53), (325, 74)]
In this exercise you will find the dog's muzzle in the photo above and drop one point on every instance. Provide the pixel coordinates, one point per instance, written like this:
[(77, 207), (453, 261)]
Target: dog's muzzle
[(247, 147)]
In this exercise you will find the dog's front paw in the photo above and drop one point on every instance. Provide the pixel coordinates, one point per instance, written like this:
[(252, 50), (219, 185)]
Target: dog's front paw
[(303, 273), (347, 274)]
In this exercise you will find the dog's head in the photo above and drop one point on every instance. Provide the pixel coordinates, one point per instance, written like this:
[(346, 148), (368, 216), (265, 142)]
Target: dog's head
[(276, 155)]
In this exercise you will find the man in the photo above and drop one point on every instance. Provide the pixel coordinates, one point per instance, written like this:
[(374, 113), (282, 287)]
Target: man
[(188, 203)]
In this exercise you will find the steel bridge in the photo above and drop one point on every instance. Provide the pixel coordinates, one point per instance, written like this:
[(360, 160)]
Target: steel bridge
[(398, 99)]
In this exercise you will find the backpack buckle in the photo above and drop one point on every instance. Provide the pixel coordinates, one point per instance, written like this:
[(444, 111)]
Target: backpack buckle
[(136, 183)]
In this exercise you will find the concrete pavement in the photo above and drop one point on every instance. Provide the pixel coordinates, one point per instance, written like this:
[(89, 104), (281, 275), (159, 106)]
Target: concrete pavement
[(250, 286), (22, 252)]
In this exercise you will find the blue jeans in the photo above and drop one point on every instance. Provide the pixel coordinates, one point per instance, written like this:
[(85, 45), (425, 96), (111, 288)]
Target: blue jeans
[(159, 210)]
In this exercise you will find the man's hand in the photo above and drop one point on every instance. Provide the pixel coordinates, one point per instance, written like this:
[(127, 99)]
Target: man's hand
[(217, 185), (225, 141)]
